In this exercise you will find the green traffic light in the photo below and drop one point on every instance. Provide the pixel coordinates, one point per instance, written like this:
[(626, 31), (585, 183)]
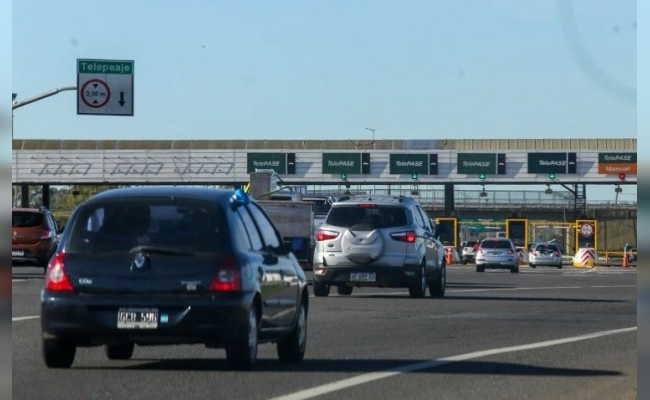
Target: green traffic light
[(481, 176), (551, 175), (344, 176), (414, 176)]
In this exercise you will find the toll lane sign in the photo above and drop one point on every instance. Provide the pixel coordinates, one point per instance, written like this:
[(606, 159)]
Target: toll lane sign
[(105, 87)]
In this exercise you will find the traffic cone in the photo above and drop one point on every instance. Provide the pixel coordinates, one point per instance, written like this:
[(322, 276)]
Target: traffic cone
[(607, 257), (624, 260), (450, 257)]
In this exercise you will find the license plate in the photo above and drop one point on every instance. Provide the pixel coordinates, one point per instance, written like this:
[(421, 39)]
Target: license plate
[(362, 276), (137, 318), (17, 253)]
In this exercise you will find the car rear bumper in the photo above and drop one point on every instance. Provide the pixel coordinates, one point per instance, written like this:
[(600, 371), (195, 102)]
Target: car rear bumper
[(91, 320), (384, 276), (545, 261), (500, 262), (28, 254)]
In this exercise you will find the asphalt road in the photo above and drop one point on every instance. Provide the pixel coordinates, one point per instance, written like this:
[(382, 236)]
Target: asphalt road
[(541, 334)]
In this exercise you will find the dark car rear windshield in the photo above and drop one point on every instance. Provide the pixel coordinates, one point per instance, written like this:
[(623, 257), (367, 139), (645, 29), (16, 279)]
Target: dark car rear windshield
[(495, 244), (182, 225), (377, 217), (26, 219)]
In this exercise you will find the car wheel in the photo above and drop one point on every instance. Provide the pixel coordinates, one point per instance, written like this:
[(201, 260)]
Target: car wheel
[(465, 261), (419, 287), (515, 269), (480, 268), (437, 288), (292, 349), (58, 353), (559, 266), (344, 290), (119, 352), (242, 355), (532, 265), (321, 289)]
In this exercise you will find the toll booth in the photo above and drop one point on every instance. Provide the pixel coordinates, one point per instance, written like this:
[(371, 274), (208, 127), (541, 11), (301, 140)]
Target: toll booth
[(587, 234), (450, 230), (517, 231)]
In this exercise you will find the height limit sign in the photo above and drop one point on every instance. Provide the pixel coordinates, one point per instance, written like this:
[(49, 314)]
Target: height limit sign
[(104, 87)]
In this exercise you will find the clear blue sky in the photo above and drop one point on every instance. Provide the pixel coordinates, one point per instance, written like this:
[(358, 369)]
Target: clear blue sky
[(436, 69)]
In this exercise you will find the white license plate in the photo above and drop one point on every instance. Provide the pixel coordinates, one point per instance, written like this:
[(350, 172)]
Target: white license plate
[(362, 276), (17, 253), (137, 318)]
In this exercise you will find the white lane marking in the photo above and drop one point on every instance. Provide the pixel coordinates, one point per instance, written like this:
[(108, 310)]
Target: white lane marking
[(373, 376), (19, 280), (25, 318)]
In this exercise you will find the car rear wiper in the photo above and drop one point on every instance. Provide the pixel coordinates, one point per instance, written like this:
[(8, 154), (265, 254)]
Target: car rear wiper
[(159, 250)]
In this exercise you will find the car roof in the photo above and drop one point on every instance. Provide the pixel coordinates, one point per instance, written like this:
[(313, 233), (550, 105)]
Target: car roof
[(375, 199), (198, 193)]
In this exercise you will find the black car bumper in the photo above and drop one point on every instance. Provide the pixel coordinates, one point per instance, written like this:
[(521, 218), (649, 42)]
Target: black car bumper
[(91, 320)]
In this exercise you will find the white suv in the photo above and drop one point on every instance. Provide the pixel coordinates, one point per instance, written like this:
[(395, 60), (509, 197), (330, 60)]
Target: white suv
[(379, 241)]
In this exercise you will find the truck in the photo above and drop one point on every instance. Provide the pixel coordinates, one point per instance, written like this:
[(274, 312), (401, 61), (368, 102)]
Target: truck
[(294, 220)]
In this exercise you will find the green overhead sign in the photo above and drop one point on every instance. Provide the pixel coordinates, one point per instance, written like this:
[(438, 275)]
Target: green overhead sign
[(275, 161), (477, 163), (339, 163), (409, 164), (559, 163)]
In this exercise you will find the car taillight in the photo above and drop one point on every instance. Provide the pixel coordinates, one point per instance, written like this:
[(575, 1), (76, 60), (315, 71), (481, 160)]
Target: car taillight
[(535, 253), (228, 278), (46, 235), (323, 235), (557, 254), (56, 279), (365, 205), (510, 251), (408, 236)]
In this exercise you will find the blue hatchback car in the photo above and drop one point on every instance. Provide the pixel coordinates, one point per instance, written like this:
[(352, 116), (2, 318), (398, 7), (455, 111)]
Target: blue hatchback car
[(173, 265)]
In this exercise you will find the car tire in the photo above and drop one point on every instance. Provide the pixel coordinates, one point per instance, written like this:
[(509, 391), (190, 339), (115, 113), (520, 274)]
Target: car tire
[(532, 265), (344, 290), (515, 269), (292, 349), (58, 353), (480, 268), (321, 289), (242, 354), (419, 287), (438, 288), (119, 352), (559, 266)]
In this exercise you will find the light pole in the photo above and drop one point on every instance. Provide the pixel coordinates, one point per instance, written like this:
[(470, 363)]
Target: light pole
[(13, 101), (373, 136)]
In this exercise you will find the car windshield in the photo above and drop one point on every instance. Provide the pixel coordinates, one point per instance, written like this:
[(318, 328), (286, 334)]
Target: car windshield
[(377, 217), (184, 226), (25, 219)]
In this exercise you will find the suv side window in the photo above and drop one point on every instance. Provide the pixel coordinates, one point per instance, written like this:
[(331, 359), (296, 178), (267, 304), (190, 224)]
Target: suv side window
[(418, 217), (427, 221)]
